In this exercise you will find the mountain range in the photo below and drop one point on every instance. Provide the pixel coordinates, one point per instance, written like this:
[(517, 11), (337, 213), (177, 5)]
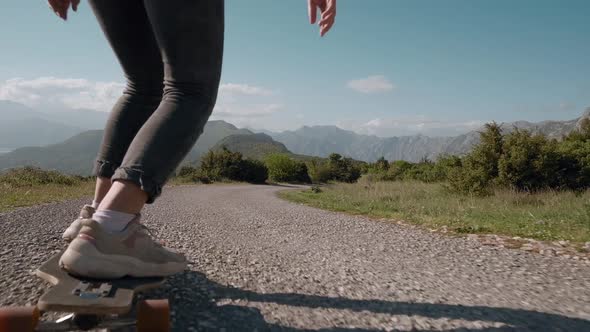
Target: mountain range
[(22, 126), (67, 145), (323, 140), (76, 155)]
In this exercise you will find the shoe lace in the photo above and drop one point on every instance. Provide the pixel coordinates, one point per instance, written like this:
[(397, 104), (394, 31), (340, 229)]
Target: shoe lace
[(156, 241)]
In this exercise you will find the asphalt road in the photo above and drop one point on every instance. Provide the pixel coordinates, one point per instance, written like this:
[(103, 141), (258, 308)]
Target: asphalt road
[(261, 263)]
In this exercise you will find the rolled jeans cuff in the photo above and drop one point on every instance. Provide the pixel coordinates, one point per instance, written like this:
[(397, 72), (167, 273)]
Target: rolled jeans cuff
[(105, 169), (147, 184)]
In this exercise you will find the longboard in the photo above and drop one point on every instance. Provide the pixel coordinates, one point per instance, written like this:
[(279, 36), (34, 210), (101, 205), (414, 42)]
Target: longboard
[(86, 295), (91, 302)]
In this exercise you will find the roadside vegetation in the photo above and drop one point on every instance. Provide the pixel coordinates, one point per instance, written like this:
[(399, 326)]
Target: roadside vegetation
[(224, 165), (515, 184), (30, 186), (543, 215)]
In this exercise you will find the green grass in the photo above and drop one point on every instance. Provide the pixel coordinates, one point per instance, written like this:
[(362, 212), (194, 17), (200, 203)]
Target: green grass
[(549, 215), (27, 186), (12, 198)]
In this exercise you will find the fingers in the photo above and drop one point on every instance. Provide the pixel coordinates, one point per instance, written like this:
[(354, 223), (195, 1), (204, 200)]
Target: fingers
[(327, 10), (322, 5), (55, 5), (60, 7), (328, 17), (312, 11), (66, 6)]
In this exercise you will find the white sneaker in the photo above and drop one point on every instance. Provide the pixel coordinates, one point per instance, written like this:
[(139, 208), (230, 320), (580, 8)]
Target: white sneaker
[(96, 253), (74, 228)]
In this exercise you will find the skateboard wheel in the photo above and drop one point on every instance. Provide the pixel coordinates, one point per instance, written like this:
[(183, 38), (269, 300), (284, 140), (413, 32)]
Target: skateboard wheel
[(153, 315), (18, 319)]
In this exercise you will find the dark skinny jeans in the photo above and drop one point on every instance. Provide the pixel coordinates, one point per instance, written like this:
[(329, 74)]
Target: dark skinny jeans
[(171, 54)]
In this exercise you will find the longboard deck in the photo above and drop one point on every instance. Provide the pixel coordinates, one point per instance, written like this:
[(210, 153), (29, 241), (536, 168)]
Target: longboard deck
[(86, 295)]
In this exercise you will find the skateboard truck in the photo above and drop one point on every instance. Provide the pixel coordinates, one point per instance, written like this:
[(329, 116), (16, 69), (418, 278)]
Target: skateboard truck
[(84, 322), (88, 290)]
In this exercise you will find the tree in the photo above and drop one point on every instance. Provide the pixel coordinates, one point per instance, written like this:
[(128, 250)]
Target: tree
[(225, 164), (480, 167), (282, 168)]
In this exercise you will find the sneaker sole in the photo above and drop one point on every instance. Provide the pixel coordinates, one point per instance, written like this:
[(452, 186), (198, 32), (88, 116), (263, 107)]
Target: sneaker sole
[(89, 262)]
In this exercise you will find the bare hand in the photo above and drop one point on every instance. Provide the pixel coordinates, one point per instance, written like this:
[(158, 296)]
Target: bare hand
[(327, 10), (60, 7)]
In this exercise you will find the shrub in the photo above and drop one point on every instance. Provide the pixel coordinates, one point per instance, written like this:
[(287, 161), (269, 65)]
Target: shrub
[(321, 174), (282, 168), (528, 162), (253, 171), (397, 170), (524, 162), (445, 164), (225, 164), (480, 167), (186, 171), (381, 165), (315, 189), (343, 169), (31, 176), (193, 174)]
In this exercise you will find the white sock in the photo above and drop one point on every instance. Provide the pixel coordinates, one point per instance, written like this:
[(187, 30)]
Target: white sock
[(112, 221), (95, 204)]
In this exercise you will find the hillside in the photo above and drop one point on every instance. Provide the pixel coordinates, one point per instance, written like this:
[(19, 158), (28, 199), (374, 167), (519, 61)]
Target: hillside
[(73, 156), (76, 155), (254, 146), (23, 126)]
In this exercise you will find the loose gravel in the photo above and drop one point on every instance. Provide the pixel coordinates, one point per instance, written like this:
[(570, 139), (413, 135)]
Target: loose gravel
[(264, 264)]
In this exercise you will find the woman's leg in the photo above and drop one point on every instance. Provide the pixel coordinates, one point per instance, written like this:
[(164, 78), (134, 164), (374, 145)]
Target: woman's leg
[(190, 37), (128, 30)]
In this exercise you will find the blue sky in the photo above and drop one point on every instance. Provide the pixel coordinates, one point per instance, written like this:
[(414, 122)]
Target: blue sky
[(387, 67)]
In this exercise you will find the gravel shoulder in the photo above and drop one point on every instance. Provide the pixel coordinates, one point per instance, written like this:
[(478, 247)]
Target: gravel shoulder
[(262, 263)]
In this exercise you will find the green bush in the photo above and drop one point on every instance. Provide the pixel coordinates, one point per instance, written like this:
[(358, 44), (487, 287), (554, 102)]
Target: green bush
[(479, 168), (574, 163), (186, 171), (445, 165), (343, 169), (193, 174), (528, 163), (519, 160), (321, 174), (253, 171), (426, 170), (31, 176), (397, 170), (524, 162), (228, 165), (282, 168)]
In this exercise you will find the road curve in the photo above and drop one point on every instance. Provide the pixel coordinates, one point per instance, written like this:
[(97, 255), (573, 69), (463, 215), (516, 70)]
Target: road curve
[(261, 263)]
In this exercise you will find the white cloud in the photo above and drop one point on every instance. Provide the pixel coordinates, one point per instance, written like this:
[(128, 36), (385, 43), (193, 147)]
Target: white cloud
[(53, 92), (239, 102), (244, 89), (242, 111), (74, 93), (371, 84), (401, 126)]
